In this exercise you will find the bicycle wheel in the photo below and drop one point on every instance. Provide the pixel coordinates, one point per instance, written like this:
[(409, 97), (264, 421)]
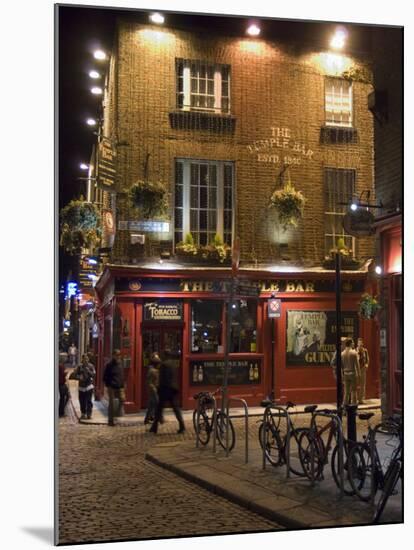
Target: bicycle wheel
[(311, 446), (273, 444), (295, 465), (392, 477), (348, 489), (360, 471), (204, 426), (222, 420)]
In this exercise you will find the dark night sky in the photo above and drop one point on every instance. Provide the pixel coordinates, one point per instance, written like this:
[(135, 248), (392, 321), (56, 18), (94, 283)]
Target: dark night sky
[(83, 29)]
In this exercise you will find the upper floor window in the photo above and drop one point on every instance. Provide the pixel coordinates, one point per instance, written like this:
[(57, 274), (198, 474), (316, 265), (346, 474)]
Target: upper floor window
[(203, 86), (338, 102), (339, 190), (203, 200)]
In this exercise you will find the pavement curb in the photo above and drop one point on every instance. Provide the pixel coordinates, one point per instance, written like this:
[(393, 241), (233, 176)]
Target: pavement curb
[(278, 517)]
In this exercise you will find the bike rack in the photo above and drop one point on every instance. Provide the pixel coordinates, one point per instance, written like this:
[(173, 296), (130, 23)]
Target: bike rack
[(213, 421), (246, 426), (284, 412), (337, 421)]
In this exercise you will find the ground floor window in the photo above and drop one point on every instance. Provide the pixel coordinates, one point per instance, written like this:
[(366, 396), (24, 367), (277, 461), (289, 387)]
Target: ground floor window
[(244, 327), (206, 326)]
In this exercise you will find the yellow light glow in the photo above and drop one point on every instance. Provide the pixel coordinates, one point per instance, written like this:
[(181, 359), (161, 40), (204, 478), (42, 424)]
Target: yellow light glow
[(331, 63), (156, 37), (252, 46)]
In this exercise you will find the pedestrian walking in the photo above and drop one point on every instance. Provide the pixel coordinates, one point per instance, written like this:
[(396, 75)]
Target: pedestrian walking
[(152, 387), (350, 372), (333, 360), (363, 367), (73, 353), (63, 388), (168, 391), (113, 378), (85, 374)]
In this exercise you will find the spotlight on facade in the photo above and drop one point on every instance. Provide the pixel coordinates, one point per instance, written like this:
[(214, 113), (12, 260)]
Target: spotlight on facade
[(96, 90), (91, 122), (157, 18), (354, 206), (99, 54), (94, 74), (83, 166), (253, 30), (338, 39), (378, 269)]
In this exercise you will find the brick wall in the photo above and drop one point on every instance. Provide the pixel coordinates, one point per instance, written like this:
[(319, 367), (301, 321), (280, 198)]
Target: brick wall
[(272, 86)]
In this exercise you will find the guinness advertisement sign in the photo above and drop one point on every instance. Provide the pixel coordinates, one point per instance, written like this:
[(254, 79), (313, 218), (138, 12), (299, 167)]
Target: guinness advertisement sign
[(359, 223), (163, 310)]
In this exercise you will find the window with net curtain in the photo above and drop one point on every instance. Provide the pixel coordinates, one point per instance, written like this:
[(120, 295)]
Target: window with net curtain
[(339, 190), (203, 204), (338, 102), (244, 327), (203, 86)]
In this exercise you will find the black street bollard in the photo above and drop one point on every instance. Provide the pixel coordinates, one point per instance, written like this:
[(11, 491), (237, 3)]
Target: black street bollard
[(351, 422)]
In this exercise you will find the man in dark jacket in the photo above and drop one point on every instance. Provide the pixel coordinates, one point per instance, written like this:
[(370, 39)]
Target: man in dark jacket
[(63, 389), (113, 378), (168, 392)]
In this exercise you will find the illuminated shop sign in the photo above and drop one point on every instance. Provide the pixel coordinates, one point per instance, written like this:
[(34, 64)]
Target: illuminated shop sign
[(219, 287), (163, 310)]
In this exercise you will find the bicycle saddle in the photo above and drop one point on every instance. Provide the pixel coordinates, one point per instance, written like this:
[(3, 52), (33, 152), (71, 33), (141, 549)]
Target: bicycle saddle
[(328, 411), (365, 416), (289, 405), (266, 402), (310, 408)]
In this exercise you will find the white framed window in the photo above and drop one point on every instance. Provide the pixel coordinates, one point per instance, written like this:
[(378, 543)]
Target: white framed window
[(204, 197), (338, 102), (203, 86), (339, 190)]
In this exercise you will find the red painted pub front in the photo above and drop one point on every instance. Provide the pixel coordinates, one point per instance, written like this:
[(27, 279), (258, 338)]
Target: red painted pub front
[(144, 310)]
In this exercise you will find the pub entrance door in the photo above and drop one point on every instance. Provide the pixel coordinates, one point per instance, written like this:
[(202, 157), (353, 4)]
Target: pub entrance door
[(157, 338)]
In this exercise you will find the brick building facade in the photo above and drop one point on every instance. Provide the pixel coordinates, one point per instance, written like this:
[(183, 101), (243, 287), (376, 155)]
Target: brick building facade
[(232, 119)]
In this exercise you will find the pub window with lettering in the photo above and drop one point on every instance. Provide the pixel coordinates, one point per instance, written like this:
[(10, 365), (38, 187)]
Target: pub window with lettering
[(204, 195), (203, 86), (338, 102), (243, 327), (206, 326), (339, 190)]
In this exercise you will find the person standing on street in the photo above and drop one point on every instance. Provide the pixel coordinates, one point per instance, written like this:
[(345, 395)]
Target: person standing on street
[(85, 374), (63, 389), (113, 378), (363, 367), (152, 387), (72, 352), (350, 372), (168, 392)]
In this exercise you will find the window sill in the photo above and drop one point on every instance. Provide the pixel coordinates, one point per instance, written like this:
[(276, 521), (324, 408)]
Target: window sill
[(200, 120), (338, 135)]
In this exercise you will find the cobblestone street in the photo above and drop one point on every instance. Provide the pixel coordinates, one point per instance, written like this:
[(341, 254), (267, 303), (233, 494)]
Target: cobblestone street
[(108, 491)]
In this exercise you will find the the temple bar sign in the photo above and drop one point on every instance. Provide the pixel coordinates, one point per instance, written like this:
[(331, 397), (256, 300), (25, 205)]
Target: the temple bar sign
[(164, 310)]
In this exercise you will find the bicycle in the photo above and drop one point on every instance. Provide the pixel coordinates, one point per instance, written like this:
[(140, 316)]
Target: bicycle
[(366, 474), (276, 442), (314, 452), (205, 420)]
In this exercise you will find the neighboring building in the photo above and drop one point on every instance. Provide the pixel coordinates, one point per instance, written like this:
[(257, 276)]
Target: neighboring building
[(217, 118), (386, 104)]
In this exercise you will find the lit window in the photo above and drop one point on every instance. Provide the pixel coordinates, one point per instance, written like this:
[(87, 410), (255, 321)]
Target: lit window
[(339, 190), (338, 102), (243, 327), (206, 323), (203, 200), (203, 87)]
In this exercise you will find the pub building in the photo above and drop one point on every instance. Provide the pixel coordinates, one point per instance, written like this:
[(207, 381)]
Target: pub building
[(223, 120)]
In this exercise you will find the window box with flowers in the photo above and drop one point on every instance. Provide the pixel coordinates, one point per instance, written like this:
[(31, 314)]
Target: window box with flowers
[(347, 261), (216, 253)]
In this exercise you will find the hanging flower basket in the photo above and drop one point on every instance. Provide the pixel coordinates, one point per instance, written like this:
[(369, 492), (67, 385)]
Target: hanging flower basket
[(368, 306), (289, 204), (80, 224), (149, 197)]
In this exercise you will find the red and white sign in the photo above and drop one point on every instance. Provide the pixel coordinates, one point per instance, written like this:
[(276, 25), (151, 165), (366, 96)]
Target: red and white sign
[(274, 308)]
